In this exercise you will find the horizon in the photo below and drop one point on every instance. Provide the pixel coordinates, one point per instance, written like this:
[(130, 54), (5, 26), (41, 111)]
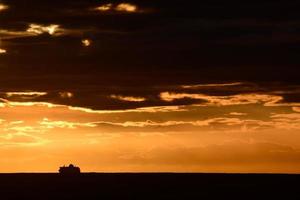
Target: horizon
[(150, 86), (155, 172)]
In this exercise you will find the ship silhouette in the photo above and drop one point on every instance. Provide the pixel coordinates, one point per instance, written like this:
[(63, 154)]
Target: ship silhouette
[(70, 170)]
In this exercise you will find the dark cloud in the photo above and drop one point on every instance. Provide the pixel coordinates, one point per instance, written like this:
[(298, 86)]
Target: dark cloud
[(171, 43), (96, 96)]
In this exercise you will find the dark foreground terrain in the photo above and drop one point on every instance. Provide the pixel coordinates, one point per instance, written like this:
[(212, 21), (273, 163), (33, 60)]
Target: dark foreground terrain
[(149, 186)]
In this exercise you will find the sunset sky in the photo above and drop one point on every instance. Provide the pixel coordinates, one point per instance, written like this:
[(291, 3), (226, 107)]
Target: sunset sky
[(147, 86)]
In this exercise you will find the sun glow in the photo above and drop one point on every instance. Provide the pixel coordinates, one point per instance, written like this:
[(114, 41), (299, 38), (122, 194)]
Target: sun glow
[(2, 51), (3, 7)]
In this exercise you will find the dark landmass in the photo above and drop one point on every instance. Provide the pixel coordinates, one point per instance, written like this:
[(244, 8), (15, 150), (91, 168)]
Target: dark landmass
[(149, 186)]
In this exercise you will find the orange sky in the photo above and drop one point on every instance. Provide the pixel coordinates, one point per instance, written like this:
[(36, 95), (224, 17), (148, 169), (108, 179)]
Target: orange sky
[(149, 86), (237, 133)]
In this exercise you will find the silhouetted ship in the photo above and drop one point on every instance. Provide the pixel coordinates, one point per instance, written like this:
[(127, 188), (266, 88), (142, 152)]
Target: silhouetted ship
[(70, 170)]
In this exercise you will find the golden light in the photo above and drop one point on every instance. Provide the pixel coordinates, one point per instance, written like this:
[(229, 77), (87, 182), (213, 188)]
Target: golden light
[(163, 134), (240, 99), (296, 109), (86, 42), (9, 94), (66, 94), (126, 7), (2, 51), (3, 7), (105, 7), (122, 7), (128, 98), (52, 29)]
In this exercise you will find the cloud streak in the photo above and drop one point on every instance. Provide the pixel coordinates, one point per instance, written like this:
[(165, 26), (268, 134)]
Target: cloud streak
[(197, 86), (126, 7), (157, 109), (48, 124), (122, 7), (128, 98), (30, 94), (240, 99), (52, 29)]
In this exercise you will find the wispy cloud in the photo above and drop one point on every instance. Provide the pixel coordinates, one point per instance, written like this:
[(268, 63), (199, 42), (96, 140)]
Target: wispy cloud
[(128, 98), (52, 29), (122, 7), (240, 99), (49, 124), (39, 29), (237, 114), (199, 123), (286, 121), (21, 139), (10, 34), (156, 109), (5, 102), (211, 85), (126, 7), (30, 94), (105, 7)]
